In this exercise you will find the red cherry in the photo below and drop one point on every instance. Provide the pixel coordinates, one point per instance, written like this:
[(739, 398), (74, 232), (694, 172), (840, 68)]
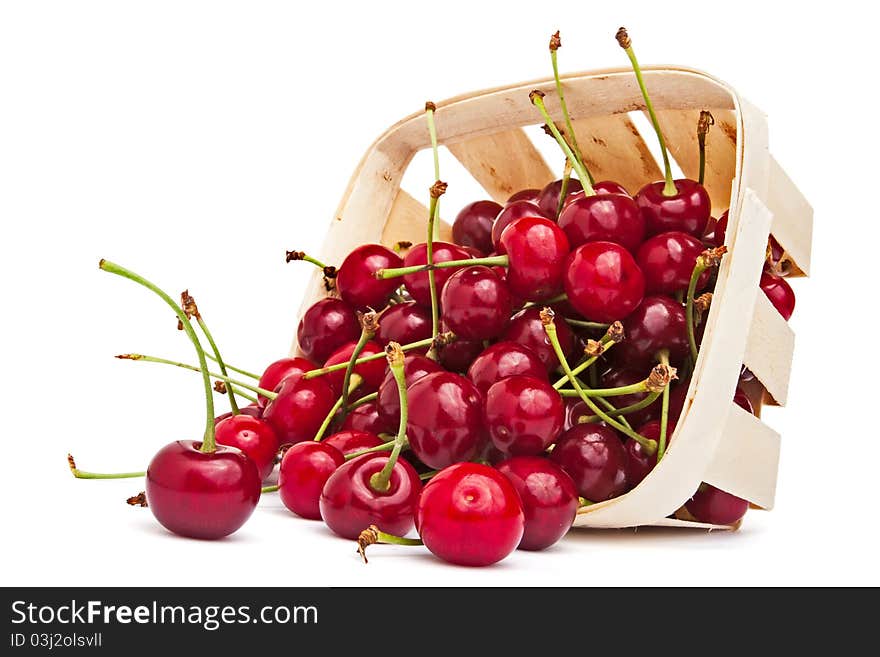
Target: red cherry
[(404, 323), (667, 260), (639, 462), (473, 225), (324, 327), (658, 323), (625, 376), (610, 187), (687, 211), (356, 281), (280, 370), (593, 456), (417, 284), (537, 249), (575, 408), (775, 256), (351, 441), (512, 212), (299, 409), (548, 497), (366, 418), (251, 409), (548, 200), (457, 356), (714, 506), (253, 436), (504, 359), (349, 504), (603, 218), (526, 329), (603, 281), (779, 292), (530, 195), (470, 514), (201, 495), (719, 233), (305, 468), (476, 303), (445, 420), (523, 415), (372, 371), (414, 368)]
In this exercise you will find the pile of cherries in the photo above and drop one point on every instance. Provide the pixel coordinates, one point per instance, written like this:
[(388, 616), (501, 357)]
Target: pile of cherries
[(477, 393)]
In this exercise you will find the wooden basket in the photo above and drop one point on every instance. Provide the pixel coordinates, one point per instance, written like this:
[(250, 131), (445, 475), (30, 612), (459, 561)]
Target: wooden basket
[(715, 440)]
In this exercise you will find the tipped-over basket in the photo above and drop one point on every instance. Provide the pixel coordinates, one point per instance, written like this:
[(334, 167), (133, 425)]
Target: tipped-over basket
[(715, 441)]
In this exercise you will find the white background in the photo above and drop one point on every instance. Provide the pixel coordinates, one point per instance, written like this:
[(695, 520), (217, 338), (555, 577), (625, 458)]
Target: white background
[(195, 142)]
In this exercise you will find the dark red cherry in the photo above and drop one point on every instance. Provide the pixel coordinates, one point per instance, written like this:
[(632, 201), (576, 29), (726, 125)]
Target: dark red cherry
[(719, 233), (779, 292), (404, 323), (526, 329), (777, 260), (473, 225), (475, 303), (714, 506), (537, 249), (610, 187), (618, 377), (201, 495), (366, 418), (326, 326), (470, 514), (687, 211), (510, 213), (305, 468), (504, 359), (639, 462), (414, 368), (658, 323), (593, 456), (530, 195), (575, 408), (667, 260), (351, 441), (603, 281), (523, 414), (349, 503), (548, 200), (741, 399), (445, 420), (253, 436), (548, 497), (356, 279), (603, 218), (280, 370), (458, 356), (299, 409), (251, 409), (677, 397), (372, 372), (417, 284)]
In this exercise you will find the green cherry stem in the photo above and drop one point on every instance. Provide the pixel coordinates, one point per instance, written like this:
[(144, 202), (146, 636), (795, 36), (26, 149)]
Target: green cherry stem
[(706, 119), (356, 380), (442, 339), (384, 447), (669, 189), (235, 369), (369, 326), (620, 412), (82, 474), (556, 44), (594, 349), (209, 444), (269, 489), (372, 535), (491, 261), (664, 409), (708, 258), (436, 191), (563, 190), (579, 323), (537, 98), (381, 481)]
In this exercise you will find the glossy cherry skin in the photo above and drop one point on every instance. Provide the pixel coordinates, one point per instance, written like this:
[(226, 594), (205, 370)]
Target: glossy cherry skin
[(276, 372), (530, 195), (404, 323), (366, 418), (251, 409), (610, 187), (417, 284), (356, 279), (523, 415), (714, 506), (510, 213), (351, 441), (603, 281), (639, 463), (458, 356), (625, 376), (471, 515), (475, 303), (414, 368), (201, 495), (658, 323), (349, 504), (445, 420), (719, 232), (593, 456), (741, 399), (687, 211), (299, 409), (326, 326), (305, 468), (526, 329), (473, 225), (548, 200), (372, 372), (603, 218), (537, 249), (575, 408), (548, 497), (255, 437), (667, 260), (504, 359), (779, 292)]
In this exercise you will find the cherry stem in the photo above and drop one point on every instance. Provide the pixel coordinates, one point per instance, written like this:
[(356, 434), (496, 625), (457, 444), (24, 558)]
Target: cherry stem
[(269, 489), (547, 315), (556, 44), (445, 338), (706, 119), (598, 326), (537, 98), (368, 330), (235, 369), (209, 444), (366, 399), (669, 189), (437, 190), (563, 190), (189, 306), (83, 474), (381, 481), (708, 258), (632, 408), (491, 261), (549, 302), (384, 447), (664, 409), (356, 380), (596, 349), (425, 476), (372, 535), (301, 255)]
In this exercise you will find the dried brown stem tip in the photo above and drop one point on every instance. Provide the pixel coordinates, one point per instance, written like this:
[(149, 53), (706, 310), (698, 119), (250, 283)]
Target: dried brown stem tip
[(188, 304), (594, 348), (369, 322), (555, 41), (220, 386), (294, 255), (138, 500), (623, 39), (615, 332), (402, 245), (702, 302), (368, 537), (711, 257), (706, 119), (443, 339), (129, 356), (430, 106), (71, 464), (438, 189), (330, 271), (536, 93), (547, 315), (660, 377), (394, 354)]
